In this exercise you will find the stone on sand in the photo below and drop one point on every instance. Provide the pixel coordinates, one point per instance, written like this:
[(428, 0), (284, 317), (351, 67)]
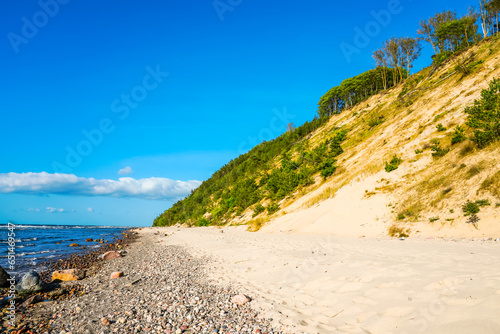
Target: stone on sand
[(33, 300), (117, 274), (111, 255), (68, 275), (240, 299), (31, 282)]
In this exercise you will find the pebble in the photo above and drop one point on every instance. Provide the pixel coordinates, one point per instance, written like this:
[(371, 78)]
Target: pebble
[(166, 291)]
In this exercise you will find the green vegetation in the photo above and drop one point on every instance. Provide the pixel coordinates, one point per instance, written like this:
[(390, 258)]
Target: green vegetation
[(448, 34), (393, 164), (259, 208), (483, 202), (470, 208), (375, 120), (272, 208), (458, 136), (484, 116), (278, 169), (357, 89), (272, 170), (203, 222), (438, 151), (433, 219), (440, 128)]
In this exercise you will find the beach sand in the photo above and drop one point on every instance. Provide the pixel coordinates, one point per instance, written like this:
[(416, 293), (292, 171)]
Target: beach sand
[(321, 284), (175, 277)]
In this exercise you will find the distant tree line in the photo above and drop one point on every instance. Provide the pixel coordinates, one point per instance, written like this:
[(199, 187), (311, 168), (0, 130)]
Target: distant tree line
[(445, 32)]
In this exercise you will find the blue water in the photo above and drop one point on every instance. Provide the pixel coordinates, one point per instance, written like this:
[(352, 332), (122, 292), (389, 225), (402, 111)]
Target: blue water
[(35, 244)]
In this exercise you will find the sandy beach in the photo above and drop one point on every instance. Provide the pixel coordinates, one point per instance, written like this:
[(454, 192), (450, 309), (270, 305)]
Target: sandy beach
[(321, 284), (182, 280)]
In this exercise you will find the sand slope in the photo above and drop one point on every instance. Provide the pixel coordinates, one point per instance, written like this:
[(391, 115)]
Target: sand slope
[(317, 284)]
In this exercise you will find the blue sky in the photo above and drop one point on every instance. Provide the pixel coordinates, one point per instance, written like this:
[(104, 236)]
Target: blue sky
[(135, 102)]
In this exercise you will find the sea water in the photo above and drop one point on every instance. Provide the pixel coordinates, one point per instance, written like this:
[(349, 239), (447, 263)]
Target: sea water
[(35, 244)]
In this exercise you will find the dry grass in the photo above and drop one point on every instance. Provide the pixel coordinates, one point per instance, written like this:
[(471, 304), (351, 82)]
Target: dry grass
[(255, 225), (491, 184), (398, 232), (429, 185), (475, 169), (325, 194)]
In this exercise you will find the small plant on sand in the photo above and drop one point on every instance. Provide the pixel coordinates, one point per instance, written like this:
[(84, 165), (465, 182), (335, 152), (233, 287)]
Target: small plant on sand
[(470, 208), (393, 164), (418, 151), (438, 151), (458, 136), (398, 232), (440, 128), (433, 219)]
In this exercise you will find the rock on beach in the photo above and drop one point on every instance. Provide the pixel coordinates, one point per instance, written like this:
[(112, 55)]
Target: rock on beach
[(117, 274), (31, 282), (111, 255), (68, 275), (33, 300), (240, 299), (4, 283)]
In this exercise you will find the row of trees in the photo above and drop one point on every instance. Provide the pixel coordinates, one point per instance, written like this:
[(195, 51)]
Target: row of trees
[(357, 89), (394, 62), (398, 53), (445, 32)]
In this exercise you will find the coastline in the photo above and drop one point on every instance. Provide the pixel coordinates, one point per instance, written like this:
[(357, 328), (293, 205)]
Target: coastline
[(86, 260), (164, 289), (181, 280)]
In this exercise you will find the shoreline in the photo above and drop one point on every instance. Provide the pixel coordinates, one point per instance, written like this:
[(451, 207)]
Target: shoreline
[(86, 260), (297, 283), (162, 285)]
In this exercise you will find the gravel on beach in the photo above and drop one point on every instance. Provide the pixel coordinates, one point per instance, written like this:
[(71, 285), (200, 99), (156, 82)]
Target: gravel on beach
[(163, 290)]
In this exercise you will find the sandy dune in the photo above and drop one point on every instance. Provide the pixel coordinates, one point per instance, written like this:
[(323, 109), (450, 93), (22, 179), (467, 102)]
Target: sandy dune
[(316, 284)]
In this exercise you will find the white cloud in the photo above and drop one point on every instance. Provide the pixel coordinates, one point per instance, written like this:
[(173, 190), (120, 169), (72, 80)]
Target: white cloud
[(89, 209), (69, 184), (57, 210), (33, 210), (125, 171)]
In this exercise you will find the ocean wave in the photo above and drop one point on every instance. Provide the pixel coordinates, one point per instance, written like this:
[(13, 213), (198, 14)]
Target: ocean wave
[(35, 253)]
